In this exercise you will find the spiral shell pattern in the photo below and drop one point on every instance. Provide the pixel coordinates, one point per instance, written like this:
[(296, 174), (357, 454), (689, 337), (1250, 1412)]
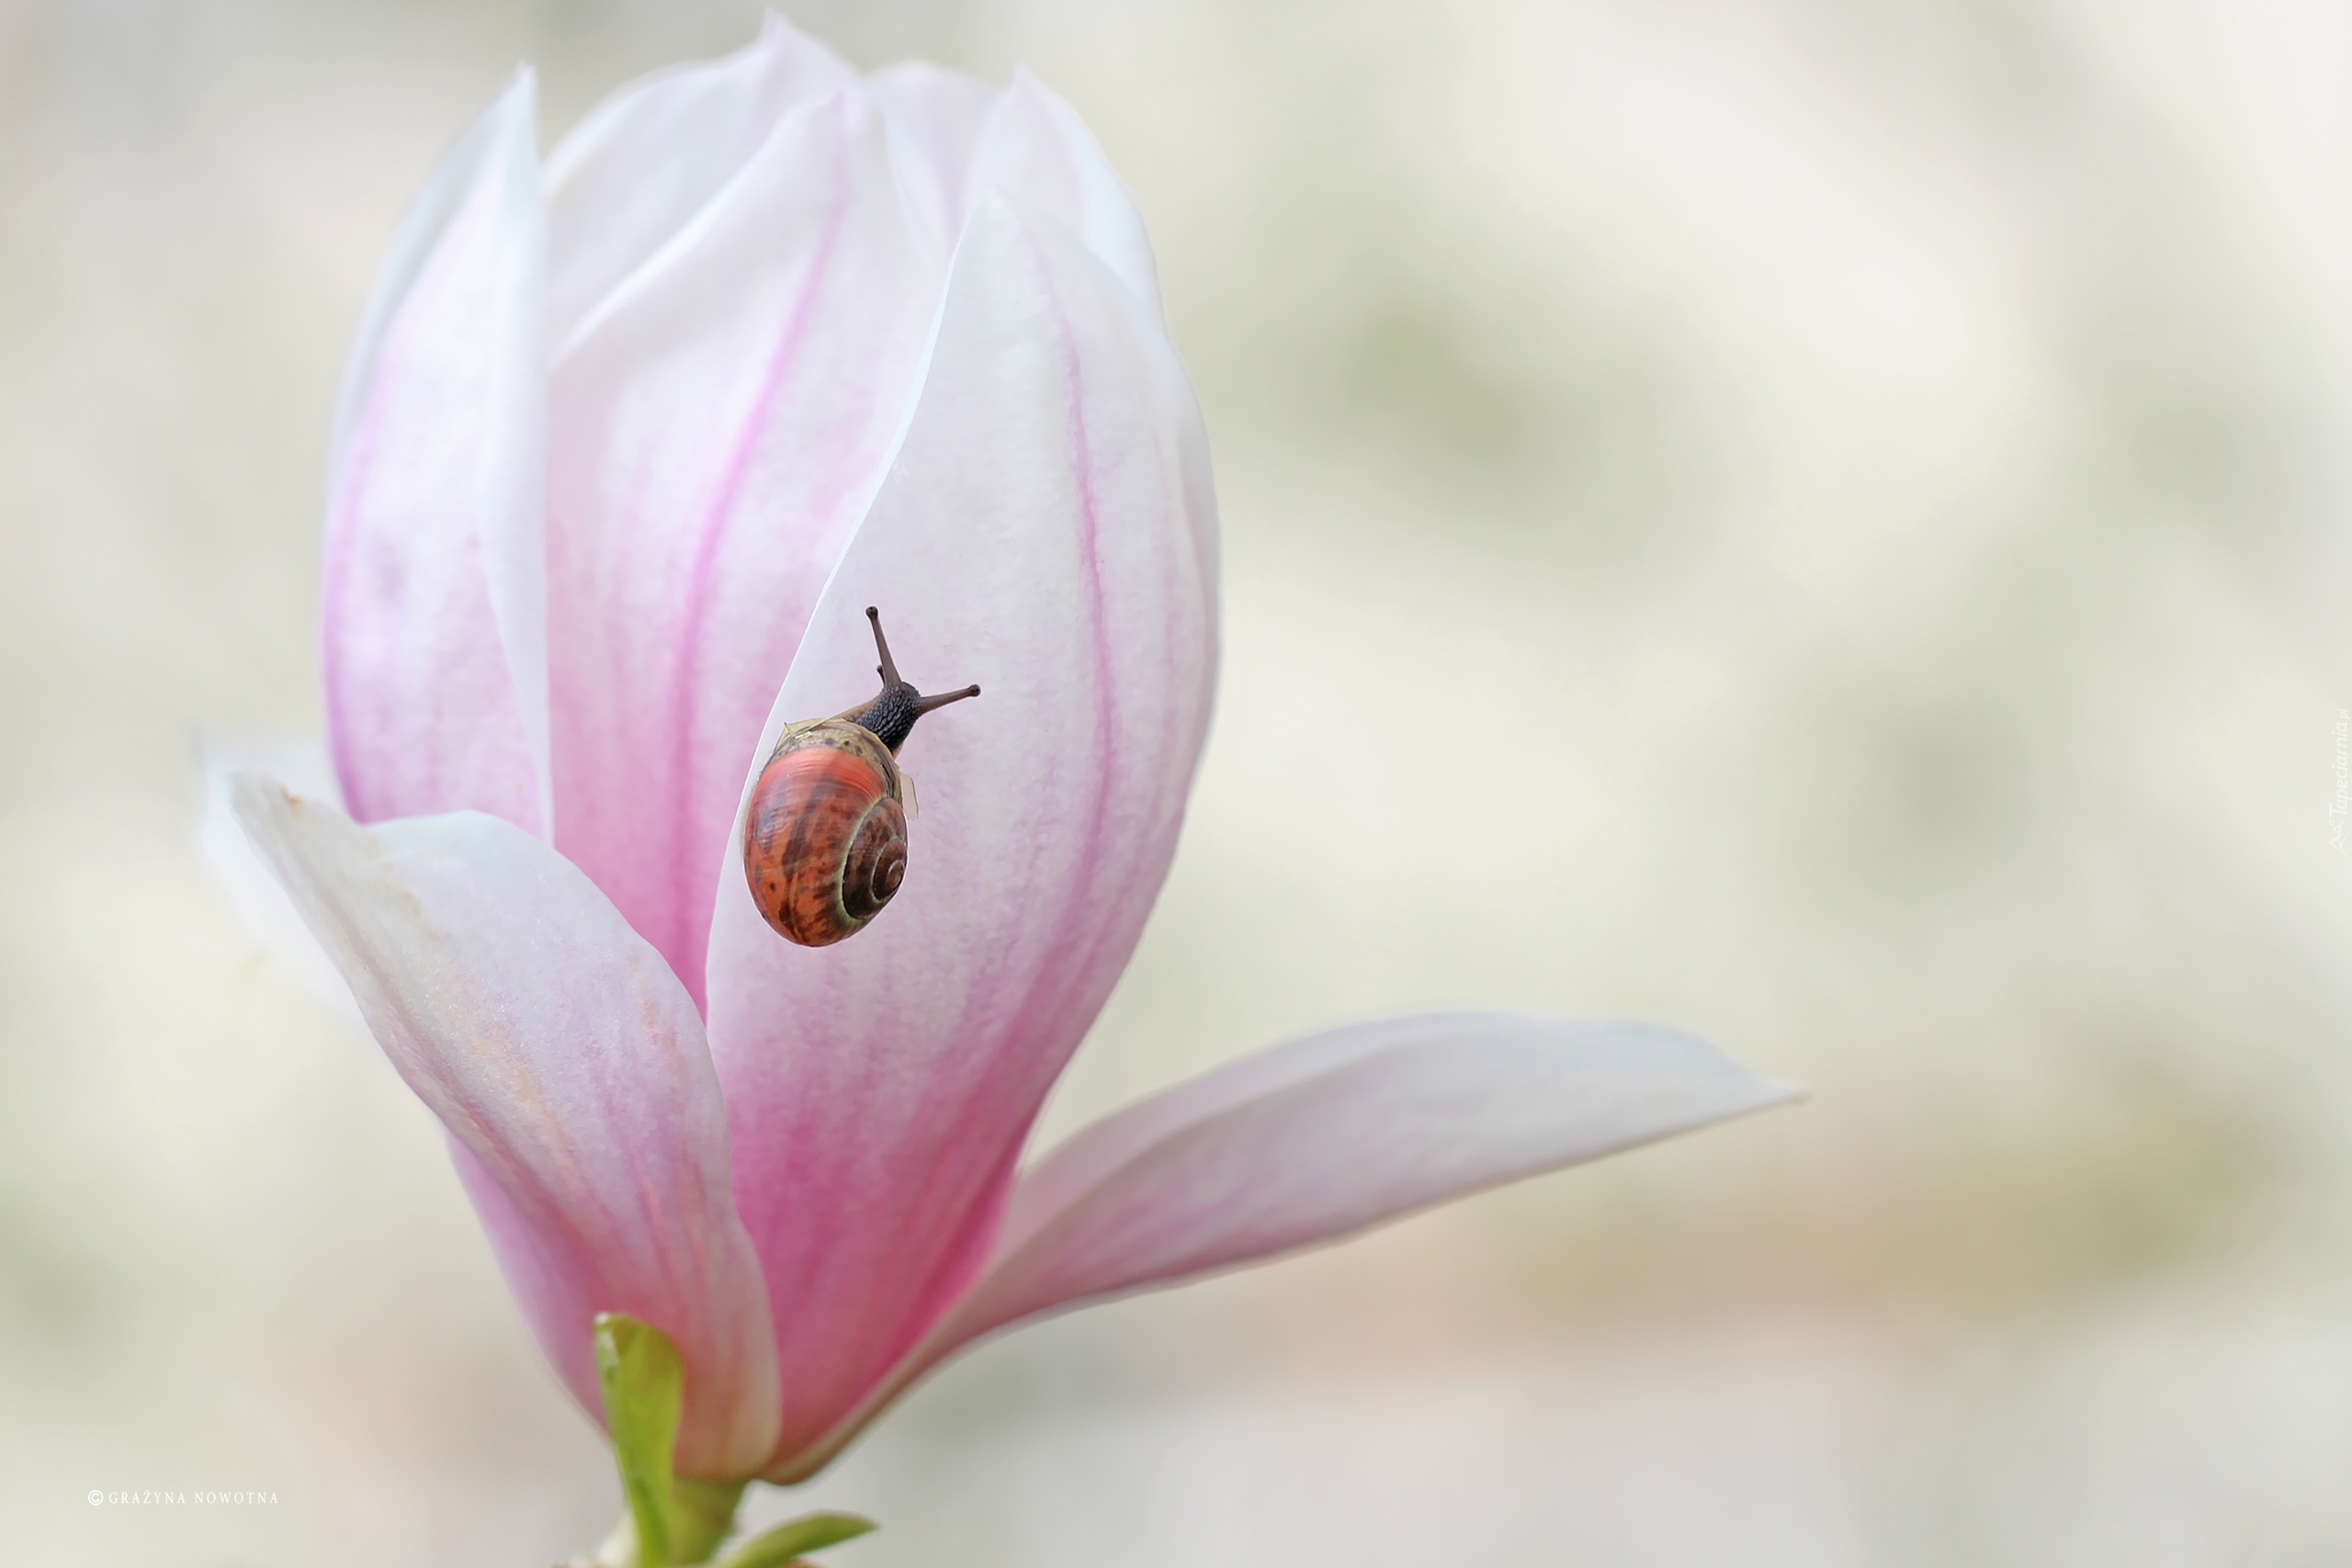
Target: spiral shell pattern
[(825, 836)]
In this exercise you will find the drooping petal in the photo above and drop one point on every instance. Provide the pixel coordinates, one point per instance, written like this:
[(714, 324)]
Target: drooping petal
[(717, 430), (435, 583), (631, 175), (1327, 1135), (1319, 1138), (570, 1068), (1040, 531)]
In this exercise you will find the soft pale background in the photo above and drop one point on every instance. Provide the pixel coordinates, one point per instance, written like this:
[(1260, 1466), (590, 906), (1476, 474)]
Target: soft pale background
[(1822, 520)]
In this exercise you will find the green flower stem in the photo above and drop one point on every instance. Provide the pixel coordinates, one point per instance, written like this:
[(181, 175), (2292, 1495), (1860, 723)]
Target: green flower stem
[(702, 1514)]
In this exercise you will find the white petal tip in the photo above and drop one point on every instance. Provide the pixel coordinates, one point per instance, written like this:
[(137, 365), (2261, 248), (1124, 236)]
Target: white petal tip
[(243, 795)]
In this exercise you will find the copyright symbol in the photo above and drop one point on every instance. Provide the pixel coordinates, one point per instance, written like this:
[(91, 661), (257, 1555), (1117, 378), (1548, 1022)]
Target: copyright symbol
[(97, 1497)]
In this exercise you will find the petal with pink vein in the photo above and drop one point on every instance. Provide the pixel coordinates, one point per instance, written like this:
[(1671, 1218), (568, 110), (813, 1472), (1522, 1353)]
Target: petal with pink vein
[(715, 432), (570, 1069), (1040, 532), (435, 583)]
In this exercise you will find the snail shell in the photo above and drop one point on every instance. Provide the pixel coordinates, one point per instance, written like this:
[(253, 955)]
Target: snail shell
[(825, 836)]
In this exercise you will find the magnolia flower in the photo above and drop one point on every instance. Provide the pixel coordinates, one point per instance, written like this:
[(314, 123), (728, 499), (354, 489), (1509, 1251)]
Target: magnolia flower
[(629, 441)]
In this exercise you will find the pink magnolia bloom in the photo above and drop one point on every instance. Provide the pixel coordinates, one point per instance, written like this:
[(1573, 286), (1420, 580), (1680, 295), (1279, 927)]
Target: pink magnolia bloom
[(629, 440)]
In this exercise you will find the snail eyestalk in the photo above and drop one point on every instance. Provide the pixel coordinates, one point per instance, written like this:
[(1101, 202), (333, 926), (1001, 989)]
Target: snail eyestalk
[(891, 717), (924, 705), (888, 670)]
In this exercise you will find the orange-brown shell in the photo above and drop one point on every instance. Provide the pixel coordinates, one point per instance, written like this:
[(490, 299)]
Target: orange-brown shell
[(825, 838)]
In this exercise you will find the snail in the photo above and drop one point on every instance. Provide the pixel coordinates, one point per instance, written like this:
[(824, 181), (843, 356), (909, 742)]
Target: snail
[(825, 836)]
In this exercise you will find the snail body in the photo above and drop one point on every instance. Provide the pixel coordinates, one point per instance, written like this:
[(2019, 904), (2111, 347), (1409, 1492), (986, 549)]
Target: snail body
[(825, 831)]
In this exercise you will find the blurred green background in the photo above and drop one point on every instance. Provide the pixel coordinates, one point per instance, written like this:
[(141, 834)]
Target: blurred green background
[(1878, 472)]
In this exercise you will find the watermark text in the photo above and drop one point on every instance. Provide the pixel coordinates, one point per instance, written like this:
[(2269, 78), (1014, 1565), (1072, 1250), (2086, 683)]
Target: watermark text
[(2340, 807)]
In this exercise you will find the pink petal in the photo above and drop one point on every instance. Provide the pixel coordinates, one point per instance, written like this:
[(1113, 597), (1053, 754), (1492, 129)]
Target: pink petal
[(1325, 1136), (628, 179), (1042, 530), (1319, 1138), (570, 1069), (717, 430), (434, 593)]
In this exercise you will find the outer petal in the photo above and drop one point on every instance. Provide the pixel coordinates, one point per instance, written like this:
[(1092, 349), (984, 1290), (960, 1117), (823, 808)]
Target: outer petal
[(1316, 1139), (1040, 532), (718, 429), (569, 1068), (434, 593), (631, 175)]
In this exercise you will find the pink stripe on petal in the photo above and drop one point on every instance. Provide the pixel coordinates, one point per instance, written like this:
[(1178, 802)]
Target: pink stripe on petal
[(570, 1069), (1036, 534)]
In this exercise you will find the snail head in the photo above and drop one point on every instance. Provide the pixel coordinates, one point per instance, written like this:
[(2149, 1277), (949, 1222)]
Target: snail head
[(891, 717)]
